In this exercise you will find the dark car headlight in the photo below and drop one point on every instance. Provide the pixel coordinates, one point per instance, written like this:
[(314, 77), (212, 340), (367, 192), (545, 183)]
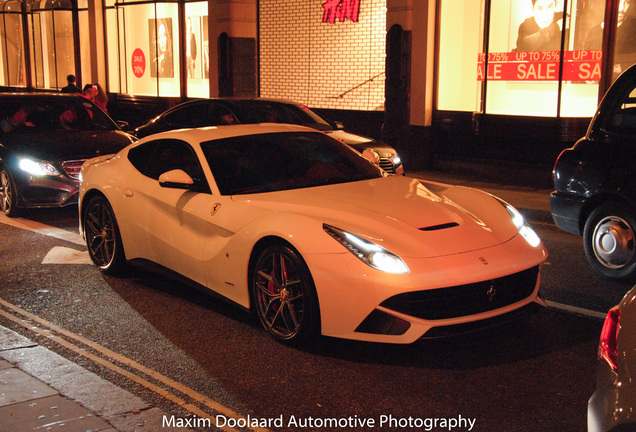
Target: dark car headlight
[(37, 168), (369, 253)]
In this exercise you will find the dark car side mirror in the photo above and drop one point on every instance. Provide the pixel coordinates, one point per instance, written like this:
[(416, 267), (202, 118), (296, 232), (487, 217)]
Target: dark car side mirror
[(123, 125), (338, 125)]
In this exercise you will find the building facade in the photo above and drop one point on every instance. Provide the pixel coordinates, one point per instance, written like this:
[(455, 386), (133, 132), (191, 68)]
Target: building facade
[(506, 79)]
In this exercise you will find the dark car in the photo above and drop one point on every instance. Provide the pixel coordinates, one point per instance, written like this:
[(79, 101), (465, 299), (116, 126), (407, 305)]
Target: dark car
[(595, 184), (612, 407), (223, 111), (44, 141)]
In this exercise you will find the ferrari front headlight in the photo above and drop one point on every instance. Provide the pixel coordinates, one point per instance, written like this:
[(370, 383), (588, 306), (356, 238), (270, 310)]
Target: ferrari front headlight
[(368, 252), (523, 227)]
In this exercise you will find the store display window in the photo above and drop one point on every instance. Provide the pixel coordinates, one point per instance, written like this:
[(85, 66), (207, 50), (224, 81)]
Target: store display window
[(12, 50), (146, 50), (528, 57), (197, 49), (145, 59)]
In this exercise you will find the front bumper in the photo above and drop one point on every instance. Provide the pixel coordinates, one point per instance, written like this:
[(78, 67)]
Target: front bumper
[(611, 407), (358, 302), (566, 211), (46, 191)]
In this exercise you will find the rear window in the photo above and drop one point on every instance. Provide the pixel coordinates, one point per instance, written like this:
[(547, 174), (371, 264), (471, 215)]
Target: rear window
[(258, 111)]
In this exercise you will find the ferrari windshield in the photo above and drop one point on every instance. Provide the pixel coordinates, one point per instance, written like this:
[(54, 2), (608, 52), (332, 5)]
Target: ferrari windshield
[(282, 161)]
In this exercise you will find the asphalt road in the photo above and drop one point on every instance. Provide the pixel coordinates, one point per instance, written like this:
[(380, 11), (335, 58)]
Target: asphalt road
[(194, 354)]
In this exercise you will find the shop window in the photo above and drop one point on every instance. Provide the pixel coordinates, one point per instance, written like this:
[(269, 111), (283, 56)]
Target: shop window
[(144, 61), (52, 46), (459, 46), (85, 46), (528, 57), (197, 49), (523, 69), (146, 52), (625, 48), (12, 47)]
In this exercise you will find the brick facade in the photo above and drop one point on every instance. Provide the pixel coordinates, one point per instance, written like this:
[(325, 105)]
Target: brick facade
[(337, 65)]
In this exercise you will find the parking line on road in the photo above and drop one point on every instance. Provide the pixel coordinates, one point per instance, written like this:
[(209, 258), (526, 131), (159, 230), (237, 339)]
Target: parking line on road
[(576, 310), (43, 229), (198, 397)]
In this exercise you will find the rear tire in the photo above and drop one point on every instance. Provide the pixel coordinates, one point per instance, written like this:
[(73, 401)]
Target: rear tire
[(102, 237)]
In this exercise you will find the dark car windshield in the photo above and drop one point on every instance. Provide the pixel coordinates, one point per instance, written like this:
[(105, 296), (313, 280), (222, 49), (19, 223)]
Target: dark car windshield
[(260, 111), (282, 161), (52, 114)]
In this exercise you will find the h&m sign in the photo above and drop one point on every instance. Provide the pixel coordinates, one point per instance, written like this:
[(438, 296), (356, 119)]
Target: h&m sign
[(340, 10)]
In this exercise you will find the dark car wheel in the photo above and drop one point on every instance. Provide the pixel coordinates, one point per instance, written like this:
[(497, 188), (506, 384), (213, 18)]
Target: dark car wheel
[(102, 236), (610, 243), (8, 195), (284, 295)]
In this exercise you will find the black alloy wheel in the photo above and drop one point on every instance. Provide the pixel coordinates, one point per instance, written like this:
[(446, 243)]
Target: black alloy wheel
[(8, 195), (102, 236), (284, 295), (610, 242)]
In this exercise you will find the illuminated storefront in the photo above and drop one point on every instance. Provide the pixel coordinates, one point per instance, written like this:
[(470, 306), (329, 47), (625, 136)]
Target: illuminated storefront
[(526, 60), (43, 58), (502, 78), (145, 60)]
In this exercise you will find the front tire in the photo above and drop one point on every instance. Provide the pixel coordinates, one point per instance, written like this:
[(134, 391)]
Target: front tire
[(610, 242), (102, 237), (8, 195), (284, 295)]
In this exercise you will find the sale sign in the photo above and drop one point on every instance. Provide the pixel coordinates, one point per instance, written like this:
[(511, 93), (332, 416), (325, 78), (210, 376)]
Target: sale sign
[(138, 63), (580, 65)]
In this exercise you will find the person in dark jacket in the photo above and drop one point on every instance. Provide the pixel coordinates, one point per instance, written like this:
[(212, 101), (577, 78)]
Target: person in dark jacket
[(71, 87)]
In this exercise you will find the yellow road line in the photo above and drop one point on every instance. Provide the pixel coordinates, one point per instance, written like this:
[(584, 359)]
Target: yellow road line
[(123, 360)]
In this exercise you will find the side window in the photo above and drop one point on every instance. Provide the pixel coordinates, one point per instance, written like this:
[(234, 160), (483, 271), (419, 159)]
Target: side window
[(192, 115), (157, 157), (624, 118), (141, 155), (217, 115)]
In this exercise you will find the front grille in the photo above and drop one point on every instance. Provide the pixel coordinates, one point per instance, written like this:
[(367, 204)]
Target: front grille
[(387, 165), (464, 300), (72, 168)]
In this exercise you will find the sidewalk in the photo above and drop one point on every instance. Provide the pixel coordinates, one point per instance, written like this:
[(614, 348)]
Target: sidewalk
[(40, 390)]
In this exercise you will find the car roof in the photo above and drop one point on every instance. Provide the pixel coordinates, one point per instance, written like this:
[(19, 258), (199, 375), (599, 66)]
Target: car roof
[(219, 132), (37, 96), (260, 99), (231, 100), (243, 99)]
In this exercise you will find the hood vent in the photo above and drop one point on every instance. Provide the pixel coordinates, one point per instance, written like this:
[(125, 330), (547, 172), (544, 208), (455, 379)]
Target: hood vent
[(440, 226)]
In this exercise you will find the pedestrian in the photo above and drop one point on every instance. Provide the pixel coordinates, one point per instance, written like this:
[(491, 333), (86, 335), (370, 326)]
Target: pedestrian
[(100, 98), (89, 92), (71, 87)]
